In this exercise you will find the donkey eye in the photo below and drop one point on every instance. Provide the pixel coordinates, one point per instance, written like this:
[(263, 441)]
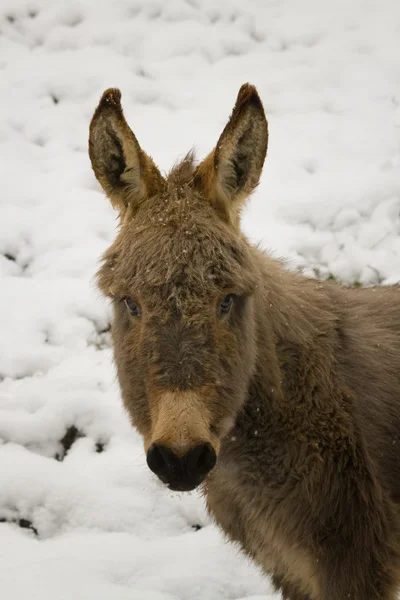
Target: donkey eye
[(133, 307), (226, 303)]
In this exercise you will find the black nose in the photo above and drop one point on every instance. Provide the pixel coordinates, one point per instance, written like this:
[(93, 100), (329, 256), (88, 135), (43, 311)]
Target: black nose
[(182, 473)]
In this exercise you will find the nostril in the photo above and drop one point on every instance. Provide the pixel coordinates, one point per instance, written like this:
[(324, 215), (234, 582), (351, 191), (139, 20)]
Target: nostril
[(154, 458), (201, 459), (159, 459)]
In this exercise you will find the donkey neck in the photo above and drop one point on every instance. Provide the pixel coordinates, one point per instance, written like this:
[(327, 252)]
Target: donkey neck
[(297, 341), (295, 372)]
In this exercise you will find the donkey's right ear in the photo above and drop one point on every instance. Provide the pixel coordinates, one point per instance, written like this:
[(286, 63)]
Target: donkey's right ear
[(126, 173)]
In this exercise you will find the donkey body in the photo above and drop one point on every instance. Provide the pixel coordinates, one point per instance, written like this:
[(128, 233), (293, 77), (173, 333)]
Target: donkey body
[(278, 394)]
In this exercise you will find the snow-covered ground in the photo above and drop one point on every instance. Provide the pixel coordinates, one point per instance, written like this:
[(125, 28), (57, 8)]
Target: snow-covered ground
[(81, 516)]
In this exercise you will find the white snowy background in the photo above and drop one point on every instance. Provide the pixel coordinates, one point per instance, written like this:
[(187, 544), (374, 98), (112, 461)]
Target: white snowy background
[(80, 514)]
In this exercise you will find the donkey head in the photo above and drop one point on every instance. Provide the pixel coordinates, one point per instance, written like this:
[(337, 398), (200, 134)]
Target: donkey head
[(181, 278)]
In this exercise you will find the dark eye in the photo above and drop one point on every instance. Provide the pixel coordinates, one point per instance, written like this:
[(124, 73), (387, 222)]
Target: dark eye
[(226, 304), (133, 307)]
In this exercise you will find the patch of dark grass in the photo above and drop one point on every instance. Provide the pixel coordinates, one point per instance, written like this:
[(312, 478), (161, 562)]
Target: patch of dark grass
[(71, 435), (23, 523), (99, 447)]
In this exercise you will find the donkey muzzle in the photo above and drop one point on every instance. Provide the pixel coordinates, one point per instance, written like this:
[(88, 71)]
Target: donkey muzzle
[(181, 473)]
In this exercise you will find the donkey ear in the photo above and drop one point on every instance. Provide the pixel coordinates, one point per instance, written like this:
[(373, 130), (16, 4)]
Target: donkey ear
[(232, 171), (127, 175)]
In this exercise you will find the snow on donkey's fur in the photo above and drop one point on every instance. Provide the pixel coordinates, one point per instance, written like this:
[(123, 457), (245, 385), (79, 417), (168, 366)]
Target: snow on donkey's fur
[(279, 395)]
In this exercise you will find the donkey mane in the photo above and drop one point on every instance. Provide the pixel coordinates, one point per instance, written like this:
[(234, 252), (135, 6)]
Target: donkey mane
[(182, 173)]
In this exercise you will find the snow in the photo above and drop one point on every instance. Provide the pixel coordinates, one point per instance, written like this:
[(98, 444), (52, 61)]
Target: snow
[(80, 513)]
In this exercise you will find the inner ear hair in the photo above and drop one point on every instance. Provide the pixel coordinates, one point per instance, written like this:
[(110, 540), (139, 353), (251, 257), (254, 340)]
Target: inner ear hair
[(232, 171), (126, 173)]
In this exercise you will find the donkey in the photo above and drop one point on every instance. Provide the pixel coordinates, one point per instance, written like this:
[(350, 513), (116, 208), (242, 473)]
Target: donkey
[(278, 394)]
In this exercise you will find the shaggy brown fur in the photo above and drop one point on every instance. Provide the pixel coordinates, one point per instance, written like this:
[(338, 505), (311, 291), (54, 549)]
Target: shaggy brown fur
[(293, 384)]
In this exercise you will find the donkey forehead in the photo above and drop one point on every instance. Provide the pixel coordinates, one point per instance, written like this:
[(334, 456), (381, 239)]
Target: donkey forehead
[(184, 260)]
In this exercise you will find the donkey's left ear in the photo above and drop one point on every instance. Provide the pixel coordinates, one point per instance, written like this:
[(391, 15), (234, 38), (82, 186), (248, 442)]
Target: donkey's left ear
[(232, 171), (126, 173)]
